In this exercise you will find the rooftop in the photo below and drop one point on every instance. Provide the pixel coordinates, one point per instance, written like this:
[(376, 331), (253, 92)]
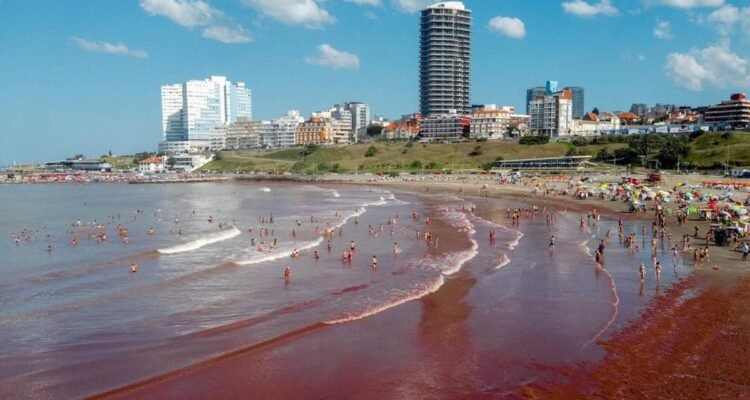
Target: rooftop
[(454, 5)]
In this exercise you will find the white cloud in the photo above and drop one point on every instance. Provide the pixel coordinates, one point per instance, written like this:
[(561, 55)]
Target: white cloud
[(687, 4), (194, 13), (727, 18), (508, 26), (412, 6), (188, 13), (118, 49), (584, 9), (335, 59), (663, 30), (365, 2), (294, 12), (226, 34), (715, 66)]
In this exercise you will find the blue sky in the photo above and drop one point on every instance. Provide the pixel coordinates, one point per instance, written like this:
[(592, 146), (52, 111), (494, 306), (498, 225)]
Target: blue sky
[(83, 76)]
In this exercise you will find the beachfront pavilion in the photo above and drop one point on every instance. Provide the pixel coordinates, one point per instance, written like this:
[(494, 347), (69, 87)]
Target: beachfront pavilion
[(565, 162)]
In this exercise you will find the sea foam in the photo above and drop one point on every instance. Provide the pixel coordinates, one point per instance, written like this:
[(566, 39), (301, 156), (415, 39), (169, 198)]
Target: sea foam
[(204, 241)]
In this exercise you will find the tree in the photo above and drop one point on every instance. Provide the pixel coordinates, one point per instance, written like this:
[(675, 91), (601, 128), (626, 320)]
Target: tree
[(595, 111), (371, 151), (374, 130), (626, 156), (604, 155), (476, 152), (171, 161)]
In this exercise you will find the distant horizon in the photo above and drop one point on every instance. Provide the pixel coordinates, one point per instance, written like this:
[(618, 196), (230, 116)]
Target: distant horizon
[(76, 82)]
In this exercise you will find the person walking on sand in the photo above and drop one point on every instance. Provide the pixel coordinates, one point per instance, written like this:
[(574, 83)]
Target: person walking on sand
[(745, 251)]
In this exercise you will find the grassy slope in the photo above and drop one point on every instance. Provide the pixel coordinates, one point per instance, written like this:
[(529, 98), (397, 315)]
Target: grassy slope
[(393, 157), (708, 149), (711, 148)]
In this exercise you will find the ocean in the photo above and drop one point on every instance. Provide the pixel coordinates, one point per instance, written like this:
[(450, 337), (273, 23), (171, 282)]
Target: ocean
[(77, 322)]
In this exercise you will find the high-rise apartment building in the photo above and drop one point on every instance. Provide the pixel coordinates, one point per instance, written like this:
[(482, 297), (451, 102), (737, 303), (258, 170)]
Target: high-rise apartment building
[(579, 104), (192, 110), (360, 114), (533, 94), (552, 115), (283, 130), (445, 59)]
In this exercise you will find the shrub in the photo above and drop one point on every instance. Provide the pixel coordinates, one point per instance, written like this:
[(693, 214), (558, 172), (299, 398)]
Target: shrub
[(416, 164), (534, 140), (371, 151), (476, 152)]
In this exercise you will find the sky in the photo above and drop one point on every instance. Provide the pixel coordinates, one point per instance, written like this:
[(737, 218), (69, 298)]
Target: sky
[(84, 76)]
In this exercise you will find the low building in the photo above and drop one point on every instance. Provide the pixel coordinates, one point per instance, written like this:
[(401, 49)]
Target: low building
[(490, 122), (152, 165), (444, 127), (400, 131), (245, 134), (79, 165), (316, 130), (188, 162), (731, 114), (171, 147), (596, 125)]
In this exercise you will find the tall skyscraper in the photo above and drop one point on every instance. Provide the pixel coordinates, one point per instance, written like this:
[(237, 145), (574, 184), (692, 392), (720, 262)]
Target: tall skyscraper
[(445, 58), (578, 101), (533, 94), (192, 110)]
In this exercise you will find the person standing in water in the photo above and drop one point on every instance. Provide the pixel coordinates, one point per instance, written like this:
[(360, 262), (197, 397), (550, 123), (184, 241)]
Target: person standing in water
[(552, 242), (642, 271), (374, 262), (287, 274)]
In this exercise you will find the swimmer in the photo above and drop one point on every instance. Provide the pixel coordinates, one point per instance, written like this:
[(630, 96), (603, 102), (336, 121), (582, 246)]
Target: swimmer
[(352, 245), (151, 232), (374, 262), (133, 268), (316, 255)]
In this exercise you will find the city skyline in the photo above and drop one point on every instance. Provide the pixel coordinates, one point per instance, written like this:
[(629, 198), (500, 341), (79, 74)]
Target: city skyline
[(77, 82)]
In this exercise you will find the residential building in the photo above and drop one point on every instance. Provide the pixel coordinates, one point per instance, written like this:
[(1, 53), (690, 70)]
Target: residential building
[(579, 104), (596, 125), (316, 130), (152, 165), (218, 138), (444, 127), (444, 58), (490, 122), (639, 109), (400, 131), (191, 110), (552, 115), (245, 134), (533, 93), (283, 130), (733, 114), (360, 113)]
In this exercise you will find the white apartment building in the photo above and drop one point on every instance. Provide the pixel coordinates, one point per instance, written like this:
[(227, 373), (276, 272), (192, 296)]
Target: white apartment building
[(283, 130), (191, 110), (444, 127), (491, 122), (552, 114), (245, 134)]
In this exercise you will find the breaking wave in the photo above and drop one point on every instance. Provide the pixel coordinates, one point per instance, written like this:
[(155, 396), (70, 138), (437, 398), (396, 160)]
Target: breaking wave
[(205, 241)]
